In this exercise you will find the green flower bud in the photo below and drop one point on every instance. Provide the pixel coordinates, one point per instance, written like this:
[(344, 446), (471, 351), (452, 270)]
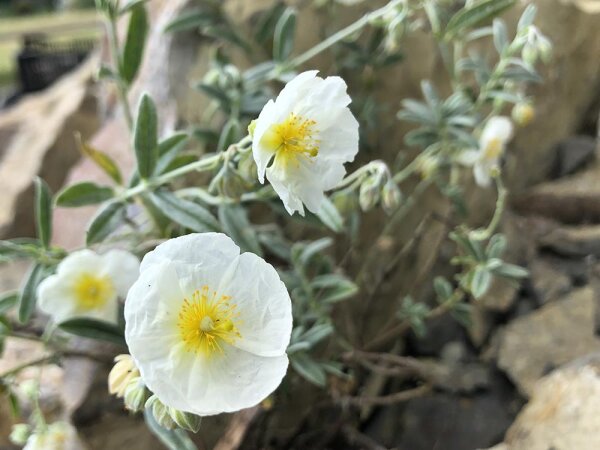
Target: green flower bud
[(247, 167), (369, 193), (136, 395), (390, 197), (20, 433), (29, 388), (185, 420), (160, 412), (529, 54)]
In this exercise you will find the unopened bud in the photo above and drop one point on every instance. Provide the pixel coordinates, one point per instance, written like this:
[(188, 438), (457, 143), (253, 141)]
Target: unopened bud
[(20, 433), (545, 49), (369, 194), (247, 168), (390, 197), (136, 395), (160, 412), (185, 420), (529, 54), (123, 371), (523, 113)]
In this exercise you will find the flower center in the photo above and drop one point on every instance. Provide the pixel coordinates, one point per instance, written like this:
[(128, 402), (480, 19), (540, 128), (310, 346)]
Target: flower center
[(207, 321), (292, 139), (493, 149), (92, 291)]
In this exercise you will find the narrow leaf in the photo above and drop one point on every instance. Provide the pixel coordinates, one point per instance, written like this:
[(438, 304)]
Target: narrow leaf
[(43, 211), (105, 222), (330, 216), (479, 12), (81, 194), (134, 43), (184, 212), (237, 226), (481, 282), (168, 149), (102, 160), (146, 137), (8, 301), (283, 39), (94, 329), (29, 293), (308, 369)]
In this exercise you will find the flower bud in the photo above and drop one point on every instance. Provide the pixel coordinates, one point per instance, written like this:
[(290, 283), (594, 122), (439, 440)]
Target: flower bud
[(136, 395), (185, 420), (529, 54), (428, 167), (369, 194), (29, 388), (121, 374), (523, 113), (20, 433), (160, 412), (390, 196), (247, 167)]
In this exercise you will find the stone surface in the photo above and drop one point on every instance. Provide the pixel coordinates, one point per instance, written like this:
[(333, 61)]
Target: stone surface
[(37, 134), (574, 199), (548, 282), (533, 344), (574, 153), (579, 241), (563, 412)]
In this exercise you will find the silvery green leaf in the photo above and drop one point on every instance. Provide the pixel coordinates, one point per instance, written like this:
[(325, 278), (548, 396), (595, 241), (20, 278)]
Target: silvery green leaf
[(82, 194), (443, 288), (330, 216), (496, 246), (134, 43), (94, 329), (308, 251), (266, 25), (283, 37), (43, 211), (480, 282), (28, 296), (191, 20), (8, 300), (236, 225), (511, 271), (184, 212), (168, 149), (527, 17), (230, 135), (317, 333), (472, 16), (106, 221), (500, 35), (145, 140), (310, 370)]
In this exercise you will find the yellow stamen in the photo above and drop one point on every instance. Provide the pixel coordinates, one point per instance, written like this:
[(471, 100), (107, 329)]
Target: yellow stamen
[(207, 322), (92, 291), (291, 139), (493, 148)]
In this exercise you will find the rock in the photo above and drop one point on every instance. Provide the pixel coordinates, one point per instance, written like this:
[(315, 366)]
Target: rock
[(482, 323), (500, 296), (446, 421), (38, 132), (531, 345), (574, 153), (563, 412), (548, 282), (574, 199), (575, 241)]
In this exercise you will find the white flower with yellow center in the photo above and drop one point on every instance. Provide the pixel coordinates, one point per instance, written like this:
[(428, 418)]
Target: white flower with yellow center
[(58, 436), (87, 284), (495, 135), (303, 138), (208, 327)]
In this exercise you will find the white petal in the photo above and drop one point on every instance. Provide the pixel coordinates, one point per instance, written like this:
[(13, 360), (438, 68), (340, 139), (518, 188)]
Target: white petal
[(55, 298), (123, 268), (340, 141), (285, 191), (195, 248), (268, 117), (80, 261), (468, 157), (224, 382), (497, 127), (482, 175), (264, 306), (324, 102)]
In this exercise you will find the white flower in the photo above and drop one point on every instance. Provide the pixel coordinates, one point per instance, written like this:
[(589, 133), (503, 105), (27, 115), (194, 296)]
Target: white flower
[(58, 436), (303, 138), (208, 327), (492, 143), (87, 284)]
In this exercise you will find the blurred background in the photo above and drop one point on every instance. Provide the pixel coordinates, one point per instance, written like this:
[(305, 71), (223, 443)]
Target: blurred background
[(51, 99)]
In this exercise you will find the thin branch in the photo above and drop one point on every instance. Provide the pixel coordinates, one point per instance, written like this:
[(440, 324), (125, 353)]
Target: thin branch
[(390, 399)]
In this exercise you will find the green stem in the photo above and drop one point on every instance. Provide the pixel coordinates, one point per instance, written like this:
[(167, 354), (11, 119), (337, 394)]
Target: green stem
[(342, 34), (499, 211), (113, 38), (35, 362)]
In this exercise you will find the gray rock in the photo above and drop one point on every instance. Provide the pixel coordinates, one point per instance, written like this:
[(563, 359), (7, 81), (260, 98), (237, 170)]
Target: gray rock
[(575, 241), (574, 153), (531, 345), (548, 282), (563, 413)]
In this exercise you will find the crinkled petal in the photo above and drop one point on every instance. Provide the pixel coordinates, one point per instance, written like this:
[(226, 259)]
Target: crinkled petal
[(197, 248), (80, 261), (340, 141), (264, 307), (123, 268)]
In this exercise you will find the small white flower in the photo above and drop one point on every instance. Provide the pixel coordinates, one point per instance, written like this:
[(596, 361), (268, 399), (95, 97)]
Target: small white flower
[(492, 143), (58, 436), (303, 138), (208, 327), (87, 284)]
